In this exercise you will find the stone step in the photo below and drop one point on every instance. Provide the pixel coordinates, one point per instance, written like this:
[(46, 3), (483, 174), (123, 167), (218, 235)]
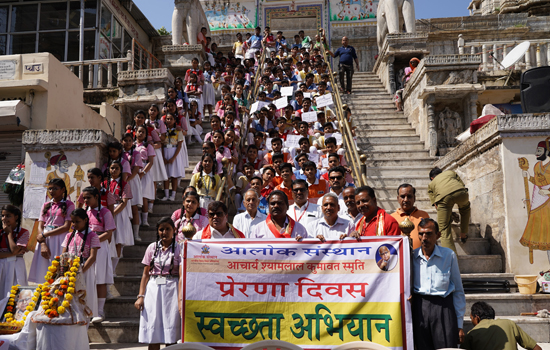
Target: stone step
[(364, 117), (371, 110), (130, 267), (537, 328), (121, 307), (510, 304), (115, 330), (388, 127), (399, 171), (473, 246), (138, 249), (374, 133), (126, 286), (384, 147), (367, 91), (386, 139), (397, 155), (427, 161), (389, 122), (367, 103), (376, 181), (480, 264), (490, 276)]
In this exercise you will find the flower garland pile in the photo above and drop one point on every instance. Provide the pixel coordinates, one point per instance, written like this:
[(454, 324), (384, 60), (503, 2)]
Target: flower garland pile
[(56, 299)]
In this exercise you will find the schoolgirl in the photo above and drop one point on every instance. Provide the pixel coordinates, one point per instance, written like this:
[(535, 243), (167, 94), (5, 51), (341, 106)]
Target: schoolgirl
[(229, 143), (102, 223), (54, 223), (96, 179), (195, 122), (172, 159), (232, 124), (209, 94), (215, 124), (194, 90), (148, 189), (183, 126), (116, 152), (158, 171), (218, 138), (84, 243), (187, 189), (132, 155), (159, 295), (180, 93), (226, 101), (207, 181), (122, 213), (13, 244), (190, 212)]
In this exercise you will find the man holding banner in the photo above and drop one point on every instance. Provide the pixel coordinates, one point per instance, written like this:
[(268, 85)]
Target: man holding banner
[(376, 221), (218, 227), (278, 224), (331, 226)]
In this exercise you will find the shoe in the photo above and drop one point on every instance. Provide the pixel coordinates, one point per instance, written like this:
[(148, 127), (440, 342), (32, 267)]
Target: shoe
[(109, 295), (137, 238), (464, 240), (145, 224), (172, 198), (98, 319), (164, 199), (150, 210)]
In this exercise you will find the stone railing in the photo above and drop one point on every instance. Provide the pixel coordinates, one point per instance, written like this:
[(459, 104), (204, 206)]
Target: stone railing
[(144, 74), (500, 49), (442, 60), (100, 73), (68, 139)]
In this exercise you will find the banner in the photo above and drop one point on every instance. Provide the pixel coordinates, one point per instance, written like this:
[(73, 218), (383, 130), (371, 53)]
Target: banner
[(315, 295)]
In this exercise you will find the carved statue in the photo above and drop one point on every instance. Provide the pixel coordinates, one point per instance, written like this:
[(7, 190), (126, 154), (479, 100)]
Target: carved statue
[(392, 16), (188, 14), (450, 126)]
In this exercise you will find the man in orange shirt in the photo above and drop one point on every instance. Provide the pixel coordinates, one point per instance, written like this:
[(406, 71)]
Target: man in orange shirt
[(286, 185), (316, 187), (406, 196), (376, 221)]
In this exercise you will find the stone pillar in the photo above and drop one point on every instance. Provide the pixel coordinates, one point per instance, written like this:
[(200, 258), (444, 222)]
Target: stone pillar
[(472, 107), (432, 129), (391, 73)]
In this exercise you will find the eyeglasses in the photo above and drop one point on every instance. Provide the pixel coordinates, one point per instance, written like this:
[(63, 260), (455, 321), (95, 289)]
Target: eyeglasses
[(219, 214), (299, 189), (337, 178)]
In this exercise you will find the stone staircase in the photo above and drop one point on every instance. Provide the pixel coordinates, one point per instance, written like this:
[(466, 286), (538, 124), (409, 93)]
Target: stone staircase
[(121, 323), (395, 156)]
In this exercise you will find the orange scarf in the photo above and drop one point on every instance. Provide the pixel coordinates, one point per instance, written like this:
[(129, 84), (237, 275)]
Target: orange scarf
[(276, 233)]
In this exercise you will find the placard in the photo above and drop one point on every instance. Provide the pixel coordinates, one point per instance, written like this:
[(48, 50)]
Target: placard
[(311, 295), (281, 102), (307, 94), (268, 143), (338, 138), (324, 100), (310, 117), (33, 199), (256, 106), (324, 162), (314, 157), (293, 141), (287, 91)]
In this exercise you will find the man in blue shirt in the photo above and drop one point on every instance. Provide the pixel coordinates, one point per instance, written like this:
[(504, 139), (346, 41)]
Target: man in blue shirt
[(281, 41), (438, 301), (347, 56), (254, 43)]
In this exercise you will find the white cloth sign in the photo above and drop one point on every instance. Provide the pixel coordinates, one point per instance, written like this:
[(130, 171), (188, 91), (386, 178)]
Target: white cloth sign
[(281, 102), (310, 117), (287, 91), (292, 141), (323, 101), (256, 106)]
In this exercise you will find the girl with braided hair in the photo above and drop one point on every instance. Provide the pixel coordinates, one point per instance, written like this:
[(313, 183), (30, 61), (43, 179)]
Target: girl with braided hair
[(13, 244), (116, 152), (132, 155), (190, 212), (53, 224), (157, 126), (218, 138), (178, 213), (123, 234), (148, 189), (159, 295), (84, 243), (102, 223), (207, 181), (96, 178), (172, 159)]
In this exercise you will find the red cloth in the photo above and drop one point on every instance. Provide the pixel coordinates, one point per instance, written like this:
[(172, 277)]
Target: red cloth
[(391, 227), (479, 122)]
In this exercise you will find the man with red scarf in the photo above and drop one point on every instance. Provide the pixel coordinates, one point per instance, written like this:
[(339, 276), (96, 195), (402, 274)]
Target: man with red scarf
[(218, 227), (278, 224), (376, 221)]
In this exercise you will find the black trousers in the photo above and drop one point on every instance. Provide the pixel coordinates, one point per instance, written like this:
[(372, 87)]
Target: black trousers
[(346, 70), (434, 322)]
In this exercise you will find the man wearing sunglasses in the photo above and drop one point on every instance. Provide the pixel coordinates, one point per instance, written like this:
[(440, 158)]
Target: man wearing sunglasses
[(337, 182), (302, 210), (218, 227), (278, 224)]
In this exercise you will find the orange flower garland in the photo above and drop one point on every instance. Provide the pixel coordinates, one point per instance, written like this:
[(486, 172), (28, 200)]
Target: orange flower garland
[(51, 298)]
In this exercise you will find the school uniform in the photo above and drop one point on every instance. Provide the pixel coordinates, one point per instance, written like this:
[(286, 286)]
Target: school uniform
[(107, 198), (316, 190), (176, 168), (135, 184), (209, 94), (159, 321), (147, 184), (158, 171), (198, 221), (52, 218), (103, 265), (12, 269), (74, 247), (123, 233)]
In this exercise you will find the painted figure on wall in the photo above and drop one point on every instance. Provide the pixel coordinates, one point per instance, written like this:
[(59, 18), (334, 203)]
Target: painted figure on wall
[(353, 10), (537, 231), (228, 15), (61, 168)]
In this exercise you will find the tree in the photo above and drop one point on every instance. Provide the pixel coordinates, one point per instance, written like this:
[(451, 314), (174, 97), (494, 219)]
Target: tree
[(163, 31)]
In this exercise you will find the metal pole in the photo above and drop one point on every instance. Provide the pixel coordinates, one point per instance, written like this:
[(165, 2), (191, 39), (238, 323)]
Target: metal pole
[(81, 43)]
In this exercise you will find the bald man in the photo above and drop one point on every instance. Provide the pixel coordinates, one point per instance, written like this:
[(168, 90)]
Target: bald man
[(246, 221)]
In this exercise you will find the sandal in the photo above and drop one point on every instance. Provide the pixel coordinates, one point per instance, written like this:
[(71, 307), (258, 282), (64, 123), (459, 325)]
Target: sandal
[(464, 239)]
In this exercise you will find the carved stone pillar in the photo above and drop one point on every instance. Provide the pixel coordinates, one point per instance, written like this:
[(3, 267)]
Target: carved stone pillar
[(432, 128), (391, 73), (472, 104)]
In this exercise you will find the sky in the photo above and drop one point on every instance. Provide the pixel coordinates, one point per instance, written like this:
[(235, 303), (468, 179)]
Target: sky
[(159, 12)]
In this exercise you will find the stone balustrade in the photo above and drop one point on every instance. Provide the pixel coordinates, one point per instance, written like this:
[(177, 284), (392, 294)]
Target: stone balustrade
[(100, 73), (492, 51)]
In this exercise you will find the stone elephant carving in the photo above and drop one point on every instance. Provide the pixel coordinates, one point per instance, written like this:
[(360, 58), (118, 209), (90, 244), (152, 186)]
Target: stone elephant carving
[(392, 16), (189, 15)]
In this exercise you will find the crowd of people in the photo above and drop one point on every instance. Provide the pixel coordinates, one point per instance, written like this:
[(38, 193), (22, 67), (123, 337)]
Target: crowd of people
[(282, 160)]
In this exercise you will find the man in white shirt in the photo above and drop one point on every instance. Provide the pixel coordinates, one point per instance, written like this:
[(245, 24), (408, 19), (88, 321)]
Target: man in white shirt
[(218, 227), (331, 226), (352, 213), (246, 221), (278, 224), (302, 210), (337, 180)]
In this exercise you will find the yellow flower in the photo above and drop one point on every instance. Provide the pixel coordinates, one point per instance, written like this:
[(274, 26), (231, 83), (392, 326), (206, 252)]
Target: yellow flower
[(74, 269), (70, 290), (12, 295), (45, 306), (65, 304), (71, 284), (68, 296), (35, 299), (32, 304), (8, 315), (46, 283), (30, 308), (13, 291), (52, 269), (61, 310), (11, 303), (55, 263), (47, 311), (72, 279), (36, 294)]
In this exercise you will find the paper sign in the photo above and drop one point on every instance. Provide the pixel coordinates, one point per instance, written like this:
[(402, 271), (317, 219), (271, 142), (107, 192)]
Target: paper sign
[(281, 102), (287, 91), (310, 117), (338, 138), (268, 143), (33, 199), (38, 173), (292, 141), (323, 101), (324, 162), (314, 157), (256, 106), (307, 94)]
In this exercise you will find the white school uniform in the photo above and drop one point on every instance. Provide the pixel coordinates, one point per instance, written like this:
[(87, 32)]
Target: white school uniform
[(176, 169), (159, 320), (123, 233), (52, 218), (147, 184), (158, 171), (103, 265), (135, 183)]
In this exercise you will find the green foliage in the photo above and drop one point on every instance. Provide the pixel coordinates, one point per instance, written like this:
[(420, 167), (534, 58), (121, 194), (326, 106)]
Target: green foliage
[(163, 31)]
